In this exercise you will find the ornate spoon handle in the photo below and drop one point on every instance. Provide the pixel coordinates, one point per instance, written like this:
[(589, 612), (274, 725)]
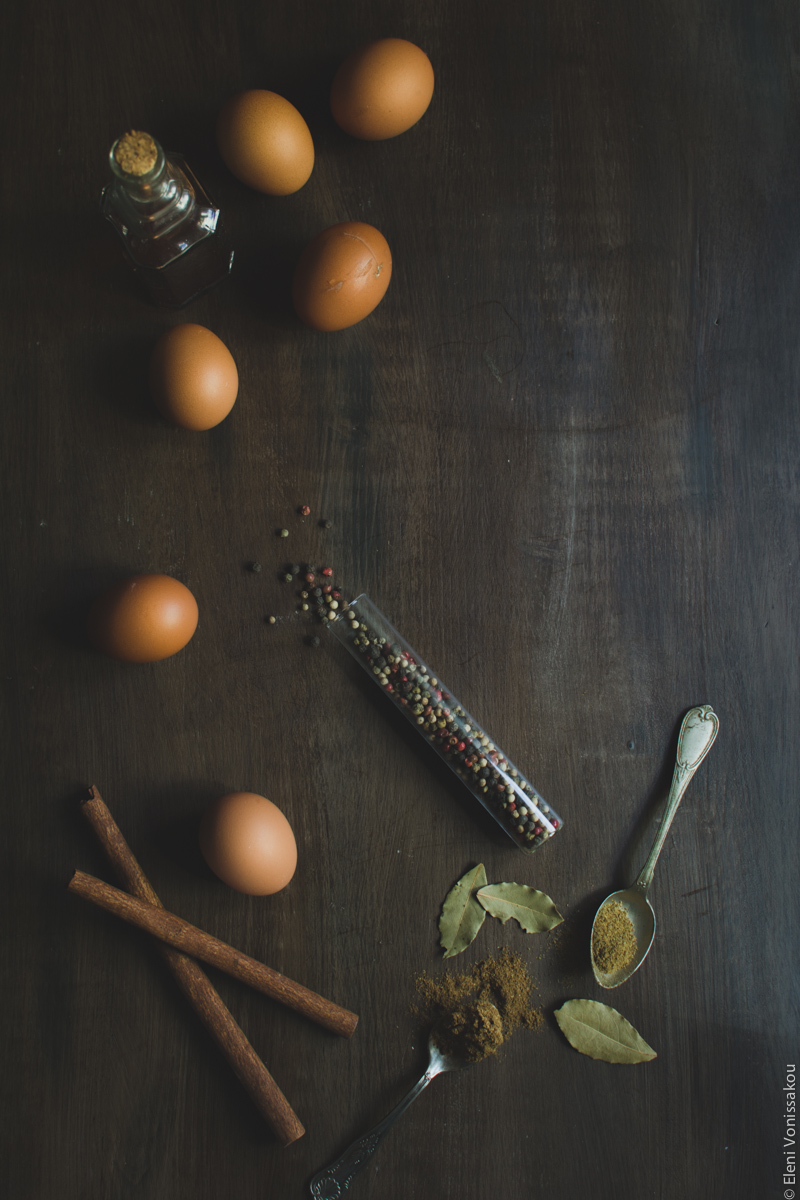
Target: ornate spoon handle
[(700, 727), (332, 1181)]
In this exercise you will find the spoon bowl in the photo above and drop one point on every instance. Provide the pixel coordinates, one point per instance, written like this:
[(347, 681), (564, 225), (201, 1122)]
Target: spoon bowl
[(643, 919), (699, 729)]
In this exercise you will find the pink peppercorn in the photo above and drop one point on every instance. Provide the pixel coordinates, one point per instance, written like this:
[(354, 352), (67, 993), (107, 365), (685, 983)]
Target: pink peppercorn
[(327, 570)]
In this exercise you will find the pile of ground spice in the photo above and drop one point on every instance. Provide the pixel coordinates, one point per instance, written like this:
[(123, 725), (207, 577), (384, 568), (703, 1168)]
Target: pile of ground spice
[(471, 1032), (455, 1006), (614, 944)]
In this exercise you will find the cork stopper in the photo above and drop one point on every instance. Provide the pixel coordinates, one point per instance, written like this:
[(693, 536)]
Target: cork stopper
[(136, 153)]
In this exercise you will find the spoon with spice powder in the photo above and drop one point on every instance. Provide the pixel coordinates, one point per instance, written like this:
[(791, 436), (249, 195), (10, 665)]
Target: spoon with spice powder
[(625, 923), (464, 1036)]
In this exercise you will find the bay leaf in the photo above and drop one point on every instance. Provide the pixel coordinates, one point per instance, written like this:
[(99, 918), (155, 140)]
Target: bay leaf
[(534, 911), (601, 1032), (462, 916)]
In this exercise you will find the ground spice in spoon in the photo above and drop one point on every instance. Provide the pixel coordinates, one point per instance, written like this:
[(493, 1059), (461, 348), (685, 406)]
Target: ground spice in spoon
[(462, 1010), (471, 1032), (614, 945)]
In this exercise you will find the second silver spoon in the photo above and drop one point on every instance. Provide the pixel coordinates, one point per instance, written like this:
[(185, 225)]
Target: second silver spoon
[(700, 727), (333, 1181)]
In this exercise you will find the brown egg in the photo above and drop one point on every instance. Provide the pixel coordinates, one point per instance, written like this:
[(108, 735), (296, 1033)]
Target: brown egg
[(248, 843), (341, 276), (193, 378), (265, 142), (382, 89), (143, 619)]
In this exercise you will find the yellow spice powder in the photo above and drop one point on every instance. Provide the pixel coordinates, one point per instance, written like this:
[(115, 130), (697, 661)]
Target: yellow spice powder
[(456, 1005), (614, 944)]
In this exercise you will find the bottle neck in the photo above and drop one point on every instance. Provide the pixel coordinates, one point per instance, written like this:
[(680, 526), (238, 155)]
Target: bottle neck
[(147, 189)]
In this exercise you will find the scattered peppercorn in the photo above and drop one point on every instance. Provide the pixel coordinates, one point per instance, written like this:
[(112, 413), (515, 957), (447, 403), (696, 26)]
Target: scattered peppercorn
[(272, 620), (324, 600), (255, 566)]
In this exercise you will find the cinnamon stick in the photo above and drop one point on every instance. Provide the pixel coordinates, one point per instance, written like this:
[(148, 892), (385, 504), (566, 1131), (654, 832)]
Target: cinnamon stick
[(196, 986), (191, 940)]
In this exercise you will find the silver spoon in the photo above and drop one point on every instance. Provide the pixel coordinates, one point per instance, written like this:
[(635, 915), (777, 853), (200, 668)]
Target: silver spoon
[(331, 1182), (700, 727)]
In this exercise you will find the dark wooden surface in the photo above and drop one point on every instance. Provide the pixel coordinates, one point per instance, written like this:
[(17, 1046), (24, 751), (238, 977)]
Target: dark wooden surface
[(562, 456)]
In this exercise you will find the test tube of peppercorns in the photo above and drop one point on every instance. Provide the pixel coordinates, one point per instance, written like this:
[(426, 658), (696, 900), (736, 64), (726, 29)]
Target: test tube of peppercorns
[(444, 722)]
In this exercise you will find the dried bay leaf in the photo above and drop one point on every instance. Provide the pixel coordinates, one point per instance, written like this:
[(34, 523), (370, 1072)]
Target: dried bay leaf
[(601, 1032), (462, 916), (534, 911)]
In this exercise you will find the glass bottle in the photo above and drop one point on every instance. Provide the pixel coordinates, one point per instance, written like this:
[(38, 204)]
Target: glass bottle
[(167, 223)]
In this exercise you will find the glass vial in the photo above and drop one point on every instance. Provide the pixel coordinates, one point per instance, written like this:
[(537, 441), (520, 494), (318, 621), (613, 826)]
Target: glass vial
[(445, 724), (167, 223)]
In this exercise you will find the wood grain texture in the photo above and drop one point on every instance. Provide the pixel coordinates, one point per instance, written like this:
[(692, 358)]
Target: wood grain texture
[(561, 456)]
